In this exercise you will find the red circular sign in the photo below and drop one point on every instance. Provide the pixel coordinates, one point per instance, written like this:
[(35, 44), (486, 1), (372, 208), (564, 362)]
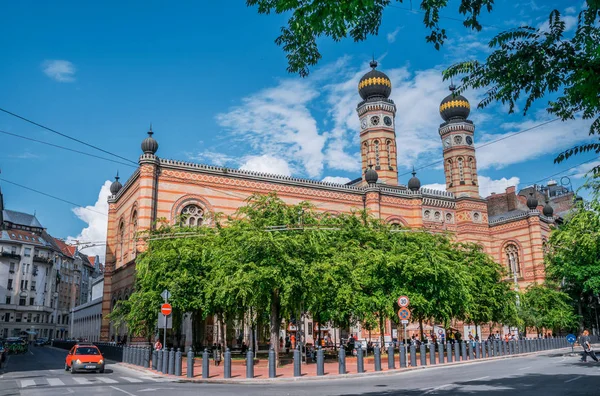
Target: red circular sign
[(404, 313), (166, 309)]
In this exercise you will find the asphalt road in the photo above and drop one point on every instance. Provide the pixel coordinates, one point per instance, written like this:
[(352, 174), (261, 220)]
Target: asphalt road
[(41, 372)]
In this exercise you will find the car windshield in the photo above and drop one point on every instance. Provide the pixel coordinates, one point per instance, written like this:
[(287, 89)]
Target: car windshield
[(87, 351)]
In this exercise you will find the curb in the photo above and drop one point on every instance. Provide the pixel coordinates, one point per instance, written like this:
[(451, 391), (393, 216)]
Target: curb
[(397, 371)]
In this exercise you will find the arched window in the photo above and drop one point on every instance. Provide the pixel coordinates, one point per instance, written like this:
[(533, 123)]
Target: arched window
[(449, 172), (388, 148), (377, 161), (121, 240), (471, 166), (461, 170), (134, 226), (192, 216), (512, 257), (365, 153)]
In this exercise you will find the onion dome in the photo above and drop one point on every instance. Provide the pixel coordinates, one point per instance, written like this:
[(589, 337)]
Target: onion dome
[(532, 201), (454, 107), (414, 184), (116, 186), (548, 210), (371, 175), (375, 84), (149, 145)]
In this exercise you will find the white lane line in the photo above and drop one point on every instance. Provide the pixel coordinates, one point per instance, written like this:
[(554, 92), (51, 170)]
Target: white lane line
[(121, 390), (54, 381), (478, 379), (106, 380), (573, 379), (524, 368), (131, 379), (81, 380), (436, 388), (26, 383)]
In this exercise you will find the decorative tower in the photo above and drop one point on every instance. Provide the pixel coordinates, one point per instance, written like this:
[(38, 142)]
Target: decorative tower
[(377, 127), (460, 164)]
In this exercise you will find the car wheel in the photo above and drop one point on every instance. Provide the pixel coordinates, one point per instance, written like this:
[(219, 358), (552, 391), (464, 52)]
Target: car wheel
[(66, 367), (101, 371), (72, 370)]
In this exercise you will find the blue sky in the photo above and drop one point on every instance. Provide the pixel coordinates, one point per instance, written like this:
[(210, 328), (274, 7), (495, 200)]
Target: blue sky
[(210, 79)]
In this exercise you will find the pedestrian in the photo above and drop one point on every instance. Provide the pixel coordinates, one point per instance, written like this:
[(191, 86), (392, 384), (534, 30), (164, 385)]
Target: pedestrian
[(293, 339), (157, 345), (584, 341)]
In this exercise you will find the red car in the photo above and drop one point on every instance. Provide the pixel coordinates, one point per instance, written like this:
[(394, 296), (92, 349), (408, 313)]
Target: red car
[(84, 357)]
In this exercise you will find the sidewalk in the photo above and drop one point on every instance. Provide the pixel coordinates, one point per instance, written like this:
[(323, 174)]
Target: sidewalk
[(309, 371)]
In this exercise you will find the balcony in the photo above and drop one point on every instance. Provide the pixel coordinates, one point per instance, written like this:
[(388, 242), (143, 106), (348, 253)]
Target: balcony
[(10, 255), (42, 259)]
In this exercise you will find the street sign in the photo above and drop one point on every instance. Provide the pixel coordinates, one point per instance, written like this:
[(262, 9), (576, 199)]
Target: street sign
[(404, 321), (166, 309), (571, 338), (404, 313), (403, 301), (165, 295), (165, 322)]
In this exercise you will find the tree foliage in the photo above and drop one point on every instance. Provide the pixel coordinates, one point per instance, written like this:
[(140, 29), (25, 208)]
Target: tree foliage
[(357, 19), (544, 306)]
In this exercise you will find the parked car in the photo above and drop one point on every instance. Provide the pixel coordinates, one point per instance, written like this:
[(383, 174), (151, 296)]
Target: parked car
[(15, 345), (40, 342), (84, 357), (3, 352)]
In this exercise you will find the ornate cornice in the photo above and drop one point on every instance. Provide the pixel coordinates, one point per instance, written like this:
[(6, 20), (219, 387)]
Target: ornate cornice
[(382, 104), (438, 203), (132, 178), (519, 216), (463, 126)]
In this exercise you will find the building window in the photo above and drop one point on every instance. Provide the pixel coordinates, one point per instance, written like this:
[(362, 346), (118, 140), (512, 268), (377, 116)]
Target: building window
[(134, 226), (192, 216), (18, 317), (512, 256), (33, 285), (121, 239), (10, 284), (377, 161), (388, 147), (27, 252), (31, 301), (7, 300), (449, 173), (22, 301), (461, 171), (12, 268)]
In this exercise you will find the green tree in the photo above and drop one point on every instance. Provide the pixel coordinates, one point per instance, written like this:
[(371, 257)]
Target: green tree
[(357, 19), (573, 253), (545, 307)]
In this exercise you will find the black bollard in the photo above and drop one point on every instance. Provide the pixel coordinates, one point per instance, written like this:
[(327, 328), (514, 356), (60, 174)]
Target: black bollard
[(297, 362), (171, 361), (227, 364), (402, 352), (391, 360), (360, 366), (190, 363), (205, 364), (320, 361), (165, 361), (432, 353), (413, 356), (342, 360), (272, 364), (441, 353), (178, 362), (423, 353), (377, 358)]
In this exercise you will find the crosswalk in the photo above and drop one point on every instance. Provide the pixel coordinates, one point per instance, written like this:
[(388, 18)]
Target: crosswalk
[(86, 380)]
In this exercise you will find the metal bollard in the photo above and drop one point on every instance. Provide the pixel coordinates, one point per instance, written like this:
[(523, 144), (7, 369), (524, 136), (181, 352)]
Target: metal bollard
[(360, 364), (512, 347), (471, 355), (413, 356), (432, 353), (137, 355), (320, 361), (423, 353), (165, 361), (477, 350), (402, 352), (449, 352), (391, 360), (159, 357), (154, 358), (496, 348), (376, 357), (125, 349), (190, 363), (297, 362), (490, 349), (456, 347), (342, 360), (205, 364), (441, 353), (272, 363), (146, 357), (178, 362), (171, 361)]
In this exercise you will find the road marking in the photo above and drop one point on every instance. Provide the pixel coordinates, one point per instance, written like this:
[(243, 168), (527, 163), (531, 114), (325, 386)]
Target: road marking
[(121, 390), (132, 379), (436, 388), (26, 383), (524, 368), (81, 380), (573, 379), (106, 380), (478, 379), (54, 382)]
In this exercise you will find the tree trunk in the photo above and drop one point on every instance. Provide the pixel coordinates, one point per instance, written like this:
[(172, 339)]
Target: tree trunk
[(275, 323), (580, 312), (381, 330), (421, 328)]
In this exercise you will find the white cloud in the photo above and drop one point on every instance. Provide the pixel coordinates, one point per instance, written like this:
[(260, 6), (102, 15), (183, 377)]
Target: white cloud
[(435, 186), (267, 164), (551, 138), (487, 185), (569, 20), (212, 157), (336, 179), (59, 70), (97, 223), (391, 37), (570, 10), (582, 170)]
